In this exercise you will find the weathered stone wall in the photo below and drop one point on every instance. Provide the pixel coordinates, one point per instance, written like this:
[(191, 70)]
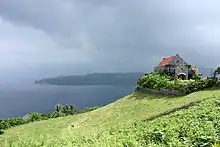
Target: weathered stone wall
[(162, 91)]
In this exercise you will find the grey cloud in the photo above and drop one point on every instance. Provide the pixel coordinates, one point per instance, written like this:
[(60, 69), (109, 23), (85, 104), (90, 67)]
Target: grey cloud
[(119, 34)]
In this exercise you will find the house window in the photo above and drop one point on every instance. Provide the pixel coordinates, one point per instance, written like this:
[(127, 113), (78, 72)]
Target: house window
[(181, 68), (177, 61)]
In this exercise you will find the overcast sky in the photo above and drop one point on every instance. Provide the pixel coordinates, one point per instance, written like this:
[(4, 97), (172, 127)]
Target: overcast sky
[(53, 37)]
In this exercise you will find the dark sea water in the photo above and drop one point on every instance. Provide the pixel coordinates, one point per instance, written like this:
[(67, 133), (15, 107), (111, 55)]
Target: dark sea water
[(19, 100)]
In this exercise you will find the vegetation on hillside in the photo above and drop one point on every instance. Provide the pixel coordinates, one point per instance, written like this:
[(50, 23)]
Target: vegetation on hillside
[(60, 111), (95, 128), (141, 119), (160, 81), (196, 125)]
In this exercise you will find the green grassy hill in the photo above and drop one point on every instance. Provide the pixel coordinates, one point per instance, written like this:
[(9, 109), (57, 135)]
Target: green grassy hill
[(112, 125)]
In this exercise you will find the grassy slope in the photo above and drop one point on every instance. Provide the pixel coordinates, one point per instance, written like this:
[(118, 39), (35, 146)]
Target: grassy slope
[(196, 126), (129, 109)]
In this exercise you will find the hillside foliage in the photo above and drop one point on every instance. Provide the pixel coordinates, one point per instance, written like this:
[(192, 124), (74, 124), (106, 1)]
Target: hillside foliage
[(195, 126), (162, 81), (60, 111)]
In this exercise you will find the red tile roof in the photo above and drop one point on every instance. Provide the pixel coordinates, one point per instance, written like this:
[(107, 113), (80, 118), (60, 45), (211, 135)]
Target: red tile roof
[(166, 61)]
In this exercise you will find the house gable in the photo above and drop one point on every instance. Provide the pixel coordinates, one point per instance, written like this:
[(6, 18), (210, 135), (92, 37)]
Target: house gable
[(181, 68), (178, 60), (171, 63)]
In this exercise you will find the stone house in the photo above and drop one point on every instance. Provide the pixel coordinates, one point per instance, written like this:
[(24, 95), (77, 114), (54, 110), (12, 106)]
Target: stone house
[(175, 66)]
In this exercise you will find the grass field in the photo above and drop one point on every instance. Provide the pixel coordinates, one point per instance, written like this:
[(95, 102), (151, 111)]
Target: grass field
[(76, 130)]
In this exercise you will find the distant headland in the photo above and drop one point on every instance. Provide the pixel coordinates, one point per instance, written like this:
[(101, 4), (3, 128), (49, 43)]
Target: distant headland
[(120, 79)]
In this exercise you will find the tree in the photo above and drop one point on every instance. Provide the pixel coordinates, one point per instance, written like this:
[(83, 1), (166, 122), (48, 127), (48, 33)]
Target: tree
[(58, 111), (196, 75), (73, 109), (66, 110), (189, 66), (214, 74), (217, 71), (34, 117), (59, 108), (69, 109)]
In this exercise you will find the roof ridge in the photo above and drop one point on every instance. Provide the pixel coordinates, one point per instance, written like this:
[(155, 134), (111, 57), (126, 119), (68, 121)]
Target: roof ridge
[(166, 60)]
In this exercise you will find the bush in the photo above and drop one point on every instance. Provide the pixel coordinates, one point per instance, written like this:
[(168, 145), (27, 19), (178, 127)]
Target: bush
[(34, 117), (161, 81), (46, 116), (11, 122)]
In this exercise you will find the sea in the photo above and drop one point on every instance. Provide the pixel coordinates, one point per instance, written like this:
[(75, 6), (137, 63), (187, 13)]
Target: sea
[(19, 100)]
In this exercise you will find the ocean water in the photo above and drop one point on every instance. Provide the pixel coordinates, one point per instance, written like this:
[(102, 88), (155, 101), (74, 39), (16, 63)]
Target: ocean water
[(18, 100)]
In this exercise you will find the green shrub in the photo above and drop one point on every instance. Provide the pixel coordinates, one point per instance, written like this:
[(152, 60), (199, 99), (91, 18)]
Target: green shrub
[(4, 124), (46, 116), (34, 117), (160, 81), (11, 122)]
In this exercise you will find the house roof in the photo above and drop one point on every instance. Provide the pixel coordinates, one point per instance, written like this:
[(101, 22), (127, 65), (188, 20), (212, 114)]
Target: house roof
[(166, 61)]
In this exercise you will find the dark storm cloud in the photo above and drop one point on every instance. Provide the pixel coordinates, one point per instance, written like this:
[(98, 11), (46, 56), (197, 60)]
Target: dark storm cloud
[(116, 35)]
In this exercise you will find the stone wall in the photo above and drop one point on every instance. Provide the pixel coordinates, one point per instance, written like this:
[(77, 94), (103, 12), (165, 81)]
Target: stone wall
[(162, 91)]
